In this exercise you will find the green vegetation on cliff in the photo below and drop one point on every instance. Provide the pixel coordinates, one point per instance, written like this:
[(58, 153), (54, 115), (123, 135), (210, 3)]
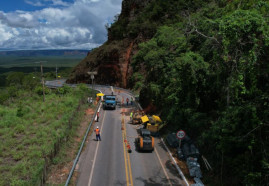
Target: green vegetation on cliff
[(206, 69)]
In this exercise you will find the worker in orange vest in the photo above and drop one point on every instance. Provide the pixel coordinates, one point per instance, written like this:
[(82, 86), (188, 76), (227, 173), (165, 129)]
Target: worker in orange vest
[(97, 132)]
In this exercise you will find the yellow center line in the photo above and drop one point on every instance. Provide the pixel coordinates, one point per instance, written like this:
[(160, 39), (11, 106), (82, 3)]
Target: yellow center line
[(129, 163), (125, 161), (128, 169)]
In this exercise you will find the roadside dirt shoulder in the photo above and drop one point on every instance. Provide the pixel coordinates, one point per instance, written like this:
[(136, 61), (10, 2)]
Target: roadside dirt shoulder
[(58, 173)]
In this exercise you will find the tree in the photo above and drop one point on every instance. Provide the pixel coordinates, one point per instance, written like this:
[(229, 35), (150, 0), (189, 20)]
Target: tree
[(15, 79)]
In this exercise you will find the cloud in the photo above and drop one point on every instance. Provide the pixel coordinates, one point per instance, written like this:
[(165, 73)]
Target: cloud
[(40, 3), (77, 25), (5, 34), (59, 2), (34, 3), (18, 19)]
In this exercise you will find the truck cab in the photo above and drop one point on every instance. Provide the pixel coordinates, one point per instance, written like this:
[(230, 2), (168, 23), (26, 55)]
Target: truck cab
[(109, 102)]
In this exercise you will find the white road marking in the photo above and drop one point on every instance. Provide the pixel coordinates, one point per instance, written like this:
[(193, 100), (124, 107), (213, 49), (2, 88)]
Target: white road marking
[(175, 163), (166, 175), (94, 160), (97, 111)]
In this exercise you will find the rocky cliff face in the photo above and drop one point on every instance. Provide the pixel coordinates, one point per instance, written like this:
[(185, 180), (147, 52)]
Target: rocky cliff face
[(112, 59)]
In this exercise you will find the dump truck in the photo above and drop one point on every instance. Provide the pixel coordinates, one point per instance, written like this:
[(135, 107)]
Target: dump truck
[(145, 142), (109, 102)]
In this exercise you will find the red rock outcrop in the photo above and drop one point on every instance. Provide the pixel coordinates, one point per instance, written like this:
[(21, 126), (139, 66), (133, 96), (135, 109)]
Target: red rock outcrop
[(112, 60)]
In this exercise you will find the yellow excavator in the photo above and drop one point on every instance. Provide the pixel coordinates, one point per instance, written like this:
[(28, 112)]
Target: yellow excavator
[(152, 123)]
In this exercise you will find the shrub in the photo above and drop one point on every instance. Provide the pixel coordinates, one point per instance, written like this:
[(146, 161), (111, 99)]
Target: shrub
[(39, 90), (64, 90)]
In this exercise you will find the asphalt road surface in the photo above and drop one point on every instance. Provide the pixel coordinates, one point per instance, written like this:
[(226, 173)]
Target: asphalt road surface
[(107, 162)]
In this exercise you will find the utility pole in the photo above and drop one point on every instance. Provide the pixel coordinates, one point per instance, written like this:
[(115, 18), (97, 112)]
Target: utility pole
[(92, 77), (56, 71), (42, 76)]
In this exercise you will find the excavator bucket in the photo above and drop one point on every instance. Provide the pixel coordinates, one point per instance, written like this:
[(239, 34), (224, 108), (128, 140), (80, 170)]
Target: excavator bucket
[(144, 119), (157, 119)]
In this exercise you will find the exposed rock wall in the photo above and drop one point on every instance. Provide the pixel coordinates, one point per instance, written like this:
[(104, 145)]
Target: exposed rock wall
[(112, 59)]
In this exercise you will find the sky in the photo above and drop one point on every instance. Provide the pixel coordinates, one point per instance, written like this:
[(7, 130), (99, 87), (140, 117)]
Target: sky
[(55, 24)]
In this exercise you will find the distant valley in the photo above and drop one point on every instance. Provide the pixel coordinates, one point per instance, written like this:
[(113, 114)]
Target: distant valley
[(32, 53), (28, 60)]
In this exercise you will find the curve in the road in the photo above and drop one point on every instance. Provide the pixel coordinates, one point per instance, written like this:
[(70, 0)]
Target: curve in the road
[(108, 163)]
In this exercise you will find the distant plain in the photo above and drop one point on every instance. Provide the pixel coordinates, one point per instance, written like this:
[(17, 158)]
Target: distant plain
[(31, 64), (28, 61)]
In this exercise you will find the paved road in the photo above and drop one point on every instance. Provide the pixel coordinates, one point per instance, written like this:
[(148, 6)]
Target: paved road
[(107, 162), (55, 83)]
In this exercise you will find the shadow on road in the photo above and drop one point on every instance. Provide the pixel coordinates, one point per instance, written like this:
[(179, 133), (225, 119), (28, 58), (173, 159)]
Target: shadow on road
[(156, 180), (123, 183), (169, 164), (160, 144)]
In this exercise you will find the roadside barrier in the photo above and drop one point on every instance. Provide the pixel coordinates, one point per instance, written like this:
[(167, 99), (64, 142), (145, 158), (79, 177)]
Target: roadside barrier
[(175, 163), (81, 146)]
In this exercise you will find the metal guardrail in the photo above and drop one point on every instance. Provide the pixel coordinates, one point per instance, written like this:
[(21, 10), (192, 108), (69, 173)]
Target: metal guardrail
[(177, 167), (81, 147)]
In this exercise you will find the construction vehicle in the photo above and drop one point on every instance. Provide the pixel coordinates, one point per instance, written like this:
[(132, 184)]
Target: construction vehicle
[(152, 123), (145, 142), (109, 102), (137, 117)]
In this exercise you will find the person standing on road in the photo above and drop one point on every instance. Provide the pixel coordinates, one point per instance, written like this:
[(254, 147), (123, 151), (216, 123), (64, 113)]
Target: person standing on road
[(127, 101), (97, 132), (132, 100), (131, 116), (97, 116), (122, 101)]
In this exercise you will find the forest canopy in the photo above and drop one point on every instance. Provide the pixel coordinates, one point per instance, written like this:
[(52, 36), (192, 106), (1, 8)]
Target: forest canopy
[(206, 70)]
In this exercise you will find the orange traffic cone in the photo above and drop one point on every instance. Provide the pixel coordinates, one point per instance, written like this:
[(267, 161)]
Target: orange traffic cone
[(129, 148)]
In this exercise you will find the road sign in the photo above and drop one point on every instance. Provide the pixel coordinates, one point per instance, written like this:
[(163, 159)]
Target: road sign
[(92, 73), (181, 134)]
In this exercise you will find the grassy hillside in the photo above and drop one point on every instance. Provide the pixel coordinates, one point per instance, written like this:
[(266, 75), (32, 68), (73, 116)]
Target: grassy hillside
[(31, 130)]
